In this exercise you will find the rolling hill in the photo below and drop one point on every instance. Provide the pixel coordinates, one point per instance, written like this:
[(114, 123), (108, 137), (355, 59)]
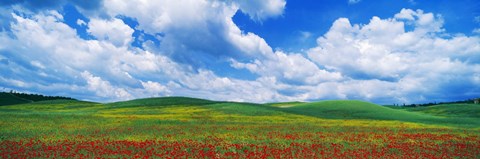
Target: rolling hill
[(448, 110), (10, 98), (161, 101), (200, 126), (353, 109), (187, 108)]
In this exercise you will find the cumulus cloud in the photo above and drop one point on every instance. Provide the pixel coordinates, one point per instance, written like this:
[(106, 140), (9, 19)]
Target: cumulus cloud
[(81, 22), (290, 68), (114, 31), (260, 10), (103, 88), (155, 88), (408, 57), (105, 67), (414, 61), (199, 25)]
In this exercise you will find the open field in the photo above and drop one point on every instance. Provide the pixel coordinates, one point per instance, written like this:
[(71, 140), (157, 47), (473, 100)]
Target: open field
[(178, 127)]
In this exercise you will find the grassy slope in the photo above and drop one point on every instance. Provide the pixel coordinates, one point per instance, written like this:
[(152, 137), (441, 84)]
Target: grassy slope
[(160, 117), (192, 109), (284, 104), (9, 99), (51, 106), (335, 109), (348, 109), (162, 101), (448, 110)]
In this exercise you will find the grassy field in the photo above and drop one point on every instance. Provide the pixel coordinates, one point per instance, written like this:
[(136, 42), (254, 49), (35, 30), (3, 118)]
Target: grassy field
[(9, 99), (448, 110), (178, 127)]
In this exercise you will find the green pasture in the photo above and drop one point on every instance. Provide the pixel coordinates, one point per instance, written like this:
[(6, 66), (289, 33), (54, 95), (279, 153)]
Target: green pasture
[(180, 118)]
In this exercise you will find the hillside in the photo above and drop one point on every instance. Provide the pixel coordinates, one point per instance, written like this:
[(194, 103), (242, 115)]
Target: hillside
[(10, 98), (194, 109), (179, 125), (284, 104), (448, 110), (161, 101), (351, 109), (189, 108)]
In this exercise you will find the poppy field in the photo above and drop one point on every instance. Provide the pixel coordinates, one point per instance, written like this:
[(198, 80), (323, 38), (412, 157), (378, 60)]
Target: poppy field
[(194, 128)]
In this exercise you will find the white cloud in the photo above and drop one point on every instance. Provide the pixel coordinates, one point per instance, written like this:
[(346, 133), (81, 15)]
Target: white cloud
[(289, 68), (81, 22), (103, 88), (250, 44), (113, 72), (407, 14), (260, 10), (476, 31), (54, 47), (199, 25), (424, 22), (409, 62), (377, 61), (114, 31), (155, 88), (37, 64), (15, 82)]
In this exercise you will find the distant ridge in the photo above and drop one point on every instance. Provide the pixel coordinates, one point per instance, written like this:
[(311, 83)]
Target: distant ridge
[(351, 109), (11, 98), (162, 101), (354, 109), (452, 115)]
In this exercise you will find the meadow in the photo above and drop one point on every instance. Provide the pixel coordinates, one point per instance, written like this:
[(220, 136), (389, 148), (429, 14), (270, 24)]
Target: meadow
[(180, 127)]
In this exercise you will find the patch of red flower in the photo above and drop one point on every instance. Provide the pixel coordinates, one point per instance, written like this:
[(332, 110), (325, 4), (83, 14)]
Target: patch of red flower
[(351, 145)]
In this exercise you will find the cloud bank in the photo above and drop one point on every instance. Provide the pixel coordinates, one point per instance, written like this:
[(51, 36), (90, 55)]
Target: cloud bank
[(193, 48)]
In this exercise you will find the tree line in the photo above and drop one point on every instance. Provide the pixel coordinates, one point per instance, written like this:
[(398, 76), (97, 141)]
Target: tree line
[(468, 101), (35, 97)]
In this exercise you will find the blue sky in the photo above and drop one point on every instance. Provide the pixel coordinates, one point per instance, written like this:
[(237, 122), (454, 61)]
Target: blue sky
[(401, 51)]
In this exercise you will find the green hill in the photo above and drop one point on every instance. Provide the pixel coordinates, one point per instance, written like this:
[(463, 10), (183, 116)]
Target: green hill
[(449, 110), (161, 101), (9, 99), (352, 109), (193, 108), (50, 106), (333, 109), (284, 104), (245, 109)]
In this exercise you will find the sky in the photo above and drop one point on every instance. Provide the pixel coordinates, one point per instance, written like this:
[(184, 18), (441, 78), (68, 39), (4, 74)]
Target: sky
[(382, 51)]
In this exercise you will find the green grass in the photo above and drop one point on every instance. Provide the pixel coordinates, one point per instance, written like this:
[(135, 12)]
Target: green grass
[(448, 110), (200, 110), (9, 99), (351, 109), (58, 106), (161, 101), (284, 104), (245, 109), (190, 120)]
